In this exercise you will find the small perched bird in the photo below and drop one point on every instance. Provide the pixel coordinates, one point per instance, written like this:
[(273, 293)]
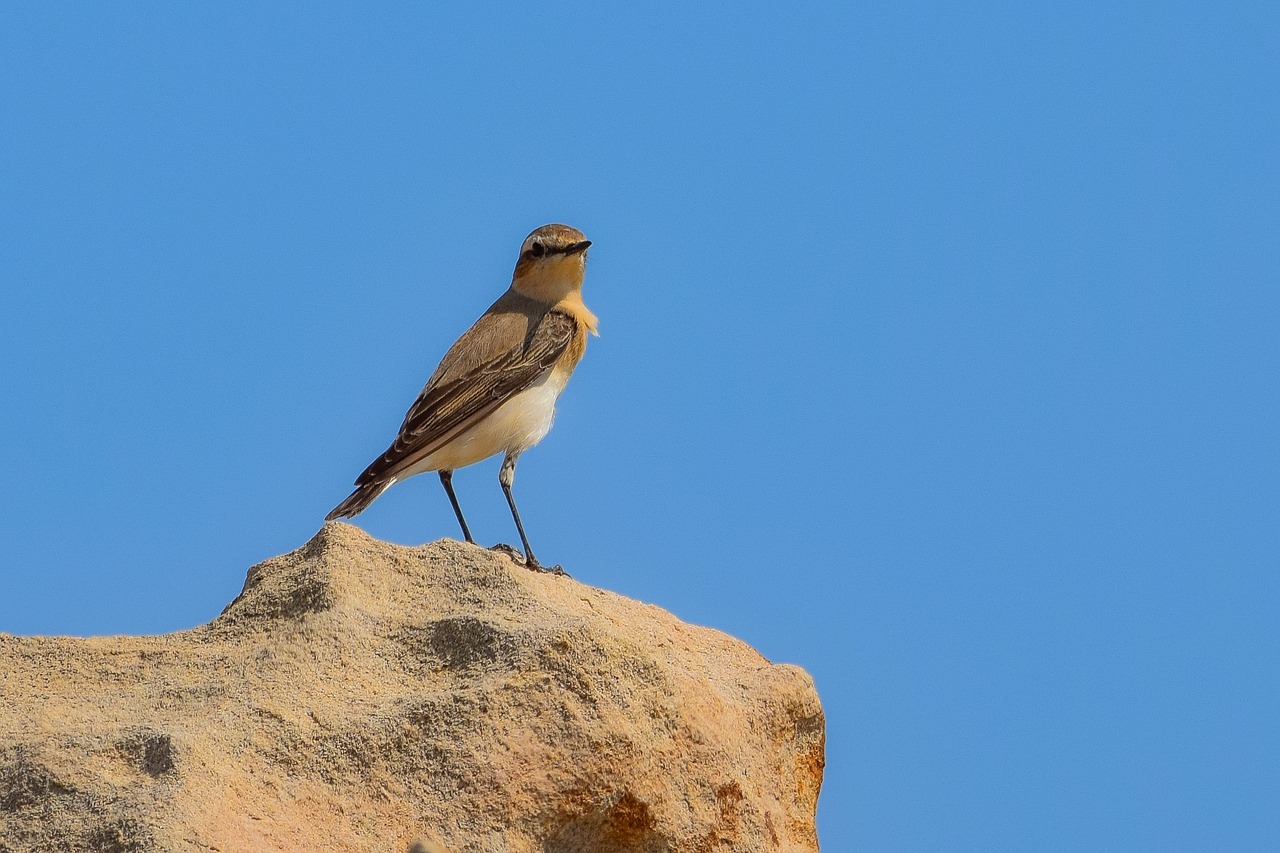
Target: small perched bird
[(496, 388)]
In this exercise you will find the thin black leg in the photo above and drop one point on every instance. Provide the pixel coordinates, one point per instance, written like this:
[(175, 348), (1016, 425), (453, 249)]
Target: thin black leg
[(446, 479), (529, 560), (506, 477)]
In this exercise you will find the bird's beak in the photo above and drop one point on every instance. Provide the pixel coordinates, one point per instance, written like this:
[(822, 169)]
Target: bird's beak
[(575, 248)]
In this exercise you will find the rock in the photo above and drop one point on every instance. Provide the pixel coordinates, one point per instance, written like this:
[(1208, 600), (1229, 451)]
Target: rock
[(362, 696)]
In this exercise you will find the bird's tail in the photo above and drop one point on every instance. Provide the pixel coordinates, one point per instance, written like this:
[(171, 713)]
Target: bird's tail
[(359, 500)]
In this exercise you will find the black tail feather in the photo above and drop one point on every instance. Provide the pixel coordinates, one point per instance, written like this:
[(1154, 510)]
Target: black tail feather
[(358, 501)]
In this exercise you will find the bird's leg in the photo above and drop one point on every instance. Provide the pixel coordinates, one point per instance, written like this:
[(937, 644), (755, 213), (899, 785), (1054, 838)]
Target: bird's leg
[(446, 480), (506, 477)]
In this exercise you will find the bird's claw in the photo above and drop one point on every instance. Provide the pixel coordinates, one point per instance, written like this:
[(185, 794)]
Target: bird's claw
[(530, 563)]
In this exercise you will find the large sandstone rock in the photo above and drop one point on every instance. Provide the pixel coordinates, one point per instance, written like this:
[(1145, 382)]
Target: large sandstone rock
[(364, 696)]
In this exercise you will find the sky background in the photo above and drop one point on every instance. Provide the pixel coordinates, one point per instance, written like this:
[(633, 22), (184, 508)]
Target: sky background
[(938, 355)]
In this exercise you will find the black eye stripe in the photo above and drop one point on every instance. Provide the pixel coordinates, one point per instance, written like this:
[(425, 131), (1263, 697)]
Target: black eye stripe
[(538, 250)]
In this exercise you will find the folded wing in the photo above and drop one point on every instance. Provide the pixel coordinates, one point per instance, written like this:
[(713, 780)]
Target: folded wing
[(455, 400)]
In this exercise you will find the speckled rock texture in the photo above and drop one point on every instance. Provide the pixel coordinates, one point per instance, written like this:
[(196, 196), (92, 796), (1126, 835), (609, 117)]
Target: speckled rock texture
[(363, 696)]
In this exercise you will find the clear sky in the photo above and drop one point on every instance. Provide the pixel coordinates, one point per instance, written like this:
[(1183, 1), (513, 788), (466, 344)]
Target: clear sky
[(938, 355)]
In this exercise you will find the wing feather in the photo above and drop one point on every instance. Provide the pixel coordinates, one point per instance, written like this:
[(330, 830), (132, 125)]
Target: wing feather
[(456, 399)]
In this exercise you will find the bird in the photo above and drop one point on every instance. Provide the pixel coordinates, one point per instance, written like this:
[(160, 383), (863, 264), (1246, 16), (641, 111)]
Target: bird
[(496, 388)]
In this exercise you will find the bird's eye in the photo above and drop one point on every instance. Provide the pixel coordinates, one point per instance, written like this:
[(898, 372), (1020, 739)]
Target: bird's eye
[(537, 250)]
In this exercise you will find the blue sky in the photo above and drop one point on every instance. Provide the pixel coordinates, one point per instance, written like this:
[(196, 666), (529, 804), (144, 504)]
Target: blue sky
[(938, 355)]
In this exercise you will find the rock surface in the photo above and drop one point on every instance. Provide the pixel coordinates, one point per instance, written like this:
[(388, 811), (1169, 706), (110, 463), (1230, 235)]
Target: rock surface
[(362, 696)]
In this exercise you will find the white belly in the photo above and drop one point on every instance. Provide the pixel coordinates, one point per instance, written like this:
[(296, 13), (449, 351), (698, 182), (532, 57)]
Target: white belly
[(515, 426)]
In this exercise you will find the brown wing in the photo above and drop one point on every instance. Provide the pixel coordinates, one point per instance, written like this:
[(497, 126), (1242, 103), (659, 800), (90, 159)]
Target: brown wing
[(465, 389)]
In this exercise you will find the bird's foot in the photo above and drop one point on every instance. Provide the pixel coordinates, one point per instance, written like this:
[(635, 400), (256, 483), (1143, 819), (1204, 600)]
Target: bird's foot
[(504, 548), (530, 563)]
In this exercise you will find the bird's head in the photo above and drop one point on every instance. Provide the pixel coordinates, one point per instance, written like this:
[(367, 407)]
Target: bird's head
[(552, 263)]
